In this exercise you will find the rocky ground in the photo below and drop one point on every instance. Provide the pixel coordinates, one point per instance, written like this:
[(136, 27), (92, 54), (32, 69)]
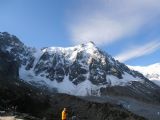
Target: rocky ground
[(17, 96), (35, 103), (147, 110)]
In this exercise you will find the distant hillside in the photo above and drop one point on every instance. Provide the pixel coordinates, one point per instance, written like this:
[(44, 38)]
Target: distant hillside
[(152, 72)]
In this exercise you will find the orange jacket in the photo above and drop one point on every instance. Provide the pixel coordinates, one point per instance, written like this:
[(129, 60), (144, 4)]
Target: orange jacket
[(64, 115)]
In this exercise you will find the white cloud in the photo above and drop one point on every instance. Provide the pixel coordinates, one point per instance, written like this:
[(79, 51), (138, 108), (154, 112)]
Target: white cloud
[(138, 51), (112, 20)]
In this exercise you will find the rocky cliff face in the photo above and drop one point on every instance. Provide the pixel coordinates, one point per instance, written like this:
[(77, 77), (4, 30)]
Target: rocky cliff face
[(12, 45), (80, 63)]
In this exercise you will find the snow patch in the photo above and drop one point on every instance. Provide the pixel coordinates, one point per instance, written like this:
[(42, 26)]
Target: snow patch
[(66, 86), (127, 78)]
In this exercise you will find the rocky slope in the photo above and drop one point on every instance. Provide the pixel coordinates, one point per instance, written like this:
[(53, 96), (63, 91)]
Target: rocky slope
[(79, 70)]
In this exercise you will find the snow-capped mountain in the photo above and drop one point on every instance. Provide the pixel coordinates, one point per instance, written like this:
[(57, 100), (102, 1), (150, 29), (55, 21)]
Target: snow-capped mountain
[(152, 72), (79, 70)]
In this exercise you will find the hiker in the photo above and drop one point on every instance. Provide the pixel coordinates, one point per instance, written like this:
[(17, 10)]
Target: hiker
[(64, 114)]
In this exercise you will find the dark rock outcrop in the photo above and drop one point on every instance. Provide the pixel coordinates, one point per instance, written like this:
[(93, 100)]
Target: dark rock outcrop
[(8, 67)]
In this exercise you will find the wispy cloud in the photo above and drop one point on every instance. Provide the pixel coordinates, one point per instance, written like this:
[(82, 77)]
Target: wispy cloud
[(110, 20), (138, 51)]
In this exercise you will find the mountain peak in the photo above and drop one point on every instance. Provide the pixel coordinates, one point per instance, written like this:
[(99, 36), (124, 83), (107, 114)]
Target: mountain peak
[(89, 46), (91, 43)]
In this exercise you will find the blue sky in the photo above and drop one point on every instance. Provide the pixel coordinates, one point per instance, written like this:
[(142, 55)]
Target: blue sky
[(129, 30)]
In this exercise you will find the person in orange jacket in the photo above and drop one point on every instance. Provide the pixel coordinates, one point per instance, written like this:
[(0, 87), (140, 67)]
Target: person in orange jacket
[(64, 114)]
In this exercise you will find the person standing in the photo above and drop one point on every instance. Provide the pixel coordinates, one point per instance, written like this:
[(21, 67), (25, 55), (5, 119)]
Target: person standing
[(64, 114)]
